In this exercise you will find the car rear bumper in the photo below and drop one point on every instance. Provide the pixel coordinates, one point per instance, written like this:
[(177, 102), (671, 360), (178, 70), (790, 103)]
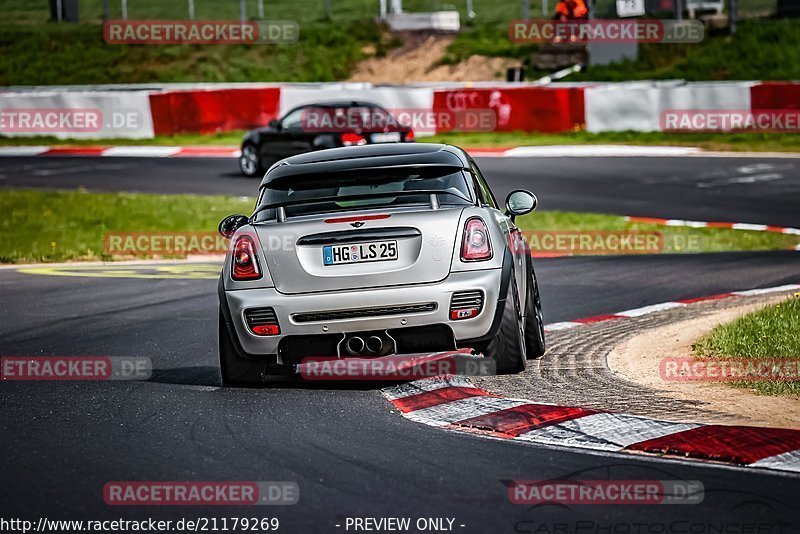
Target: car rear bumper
[(288, 307)]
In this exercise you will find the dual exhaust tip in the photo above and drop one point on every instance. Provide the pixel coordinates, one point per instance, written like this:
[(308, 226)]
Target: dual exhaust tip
[(357, 345)]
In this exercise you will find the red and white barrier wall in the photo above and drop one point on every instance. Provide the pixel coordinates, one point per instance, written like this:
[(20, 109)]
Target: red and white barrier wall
[(213, 110), (638, 106), (125, 113), (142, 112)]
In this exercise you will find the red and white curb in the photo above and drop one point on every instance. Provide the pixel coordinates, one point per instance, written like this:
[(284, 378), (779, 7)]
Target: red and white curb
[(615, 151), (455, 403), (545, 151), (645, 310), (704, 224), (123, 151)]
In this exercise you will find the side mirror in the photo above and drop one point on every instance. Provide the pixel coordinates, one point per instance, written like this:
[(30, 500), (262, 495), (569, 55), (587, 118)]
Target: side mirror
[(228, 226), (275, 124), (520, 202)]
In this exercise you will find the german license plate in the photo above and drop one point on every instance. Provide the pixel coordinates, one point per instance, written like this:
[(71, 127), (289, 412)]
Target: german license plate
[(390, 137), (359, 252)]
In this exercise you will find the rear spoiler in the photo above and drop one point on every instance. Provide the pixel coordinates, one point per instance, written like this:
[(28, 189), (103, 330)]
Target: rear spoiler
[(281, 212)]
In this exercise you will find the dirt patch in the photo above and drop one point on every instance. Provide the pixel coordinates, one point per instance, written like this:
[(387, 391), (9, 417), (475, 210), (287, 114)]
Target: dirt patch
[(417, 60), (638, 359)]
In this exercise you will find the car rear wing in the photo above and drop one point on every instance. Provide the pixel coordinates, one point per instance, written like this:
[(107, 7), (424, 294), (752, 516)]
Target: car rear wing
[(281, 211)]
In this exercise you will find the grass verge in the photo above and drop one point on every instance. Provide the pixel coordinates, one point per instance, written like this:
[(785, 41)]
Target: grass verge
[(767, 334), (734, 142), (50, 226), (50, 54), (762, 49)]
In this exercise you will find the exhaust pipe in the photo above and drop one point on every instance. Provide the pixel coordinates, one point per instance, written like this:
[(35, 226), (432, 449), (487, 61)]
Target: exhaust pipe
[(374, 344), (355, 345)]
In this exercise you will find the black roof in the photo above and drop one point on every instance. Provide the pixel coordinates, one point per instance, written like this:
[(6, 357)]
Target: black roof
[(340, 104), (398, 155)]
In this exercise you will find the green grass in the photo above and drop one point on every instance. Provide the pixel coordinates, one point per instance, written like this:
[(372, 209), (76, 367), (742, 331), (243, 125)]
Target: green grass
[(674, 240), (34, 52), (772, 333), (737, 142), (49, 226), (76, 54), (231, 138), (489, 40), (761, 50)]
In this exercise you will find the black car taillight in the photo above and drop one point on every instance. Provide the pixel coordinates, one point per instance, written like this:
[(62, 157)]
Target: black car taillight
[(262, 321), (244, 262), (475, 245), (353, 139), (466, 304)]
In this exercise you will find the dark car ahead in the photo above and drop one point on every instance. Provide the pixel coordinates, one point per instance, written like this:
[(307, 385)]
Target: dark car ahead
[(319, 126)]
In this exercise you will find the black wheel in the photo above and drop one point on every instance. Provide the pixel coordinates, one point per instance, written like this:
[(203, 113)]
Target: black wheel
[(235, 369), (535, 344), (507, 348), (250, 161)]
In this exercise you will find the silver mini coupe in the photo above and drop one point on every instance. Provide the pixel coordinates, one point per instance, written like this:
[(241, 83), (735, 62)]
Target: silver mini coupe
[(373, 251)]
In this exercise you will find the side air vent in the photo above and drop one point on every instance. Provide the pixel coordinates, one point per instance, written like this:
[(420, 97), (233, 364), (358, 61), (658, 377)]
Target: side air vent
[(466, 304), (262, 321), (357, 313)]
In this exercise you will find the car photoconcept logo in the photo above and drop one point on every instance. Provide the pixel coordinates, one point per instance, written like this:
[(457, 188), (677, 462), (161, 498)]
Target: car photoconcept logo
[(357, 224)]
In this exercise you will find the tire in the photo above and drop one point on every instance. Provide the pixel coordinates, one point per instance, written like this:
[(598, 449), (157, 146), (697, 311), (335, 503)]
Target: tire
[(535, 343), (507, 348), (234, 369), (250, 162)]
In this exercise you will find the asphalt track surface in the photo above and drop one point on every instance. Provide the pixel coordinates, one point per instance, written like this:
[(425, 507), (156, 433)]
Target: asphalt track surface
[(744, 189), (349, 454)]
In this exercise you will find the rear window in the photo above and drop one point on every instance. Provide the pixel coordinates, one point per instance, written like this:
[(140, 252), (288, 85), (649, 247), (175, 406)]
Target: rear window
[(323, 192), (348, 119)]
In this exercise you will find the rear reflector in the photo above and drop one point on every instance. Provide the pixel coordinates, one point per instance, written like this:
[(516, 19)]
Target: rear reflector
[(266, 330), (466, 305), (262, 321)]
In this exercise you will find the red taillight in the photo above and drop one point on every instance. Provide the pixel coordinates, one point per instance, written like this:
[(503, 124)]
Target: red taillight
[(409, 136), (245, 263), (476, 246), (353, 139)]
